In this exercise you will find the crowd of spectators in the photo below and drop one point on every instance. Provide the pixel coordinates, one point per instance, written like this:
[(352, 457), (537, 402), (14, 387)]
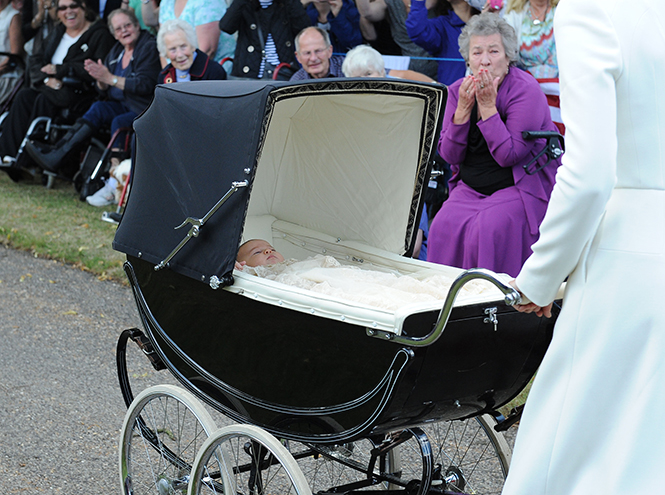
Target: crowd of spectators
[(117, 51)]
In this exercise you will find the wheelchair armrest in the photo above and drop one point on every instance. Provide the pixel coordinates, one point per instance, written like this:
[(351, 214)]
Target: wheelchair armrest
[(530, 135), (554, 148)]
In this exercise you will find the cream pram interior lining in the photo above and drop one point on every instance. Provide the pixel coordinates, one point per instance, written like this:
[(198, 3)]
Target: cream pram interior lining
[(297, 242), (385, 289)]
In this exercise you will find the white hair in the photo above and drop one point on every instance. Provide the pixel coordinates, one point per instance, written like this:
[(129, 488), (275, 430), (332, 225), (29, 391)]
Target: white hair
[(172, 26), (363, 59)]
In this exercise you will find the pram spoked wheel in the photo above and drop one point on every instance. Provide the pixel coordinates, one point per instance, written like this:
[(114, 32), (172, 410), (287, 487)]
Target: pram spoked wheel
[(466, 456), (163, 430), (243, 460)]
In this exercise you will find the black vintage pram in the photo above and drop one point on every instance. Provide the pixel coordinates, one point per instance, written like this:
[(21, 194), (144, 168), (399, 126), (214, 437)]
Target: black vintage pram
[(329, 395)]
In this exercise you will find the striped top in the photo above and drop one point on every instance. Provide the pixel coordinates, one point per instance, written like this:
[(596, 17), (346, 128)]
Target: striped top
[(270, 49)]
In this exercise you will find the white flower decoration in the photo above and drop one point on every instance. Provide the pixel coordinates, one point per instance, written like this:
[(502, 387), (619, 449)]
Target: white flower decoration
[(84, 47)]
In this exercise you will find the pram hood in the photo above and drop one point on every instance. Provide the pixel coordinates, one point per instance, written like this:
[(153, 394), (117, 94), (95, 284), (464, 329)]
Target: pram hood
[(345, 157)]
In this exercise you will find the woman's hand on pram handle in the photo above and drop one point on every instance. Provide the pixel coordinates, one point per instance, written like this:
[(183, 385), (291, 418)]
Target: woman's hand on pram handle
[(526, 306)]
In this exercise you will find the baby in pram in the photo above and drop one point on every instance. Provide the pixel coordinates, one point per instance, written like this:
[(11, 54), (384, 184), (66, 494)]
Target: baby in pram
[(376, 287)]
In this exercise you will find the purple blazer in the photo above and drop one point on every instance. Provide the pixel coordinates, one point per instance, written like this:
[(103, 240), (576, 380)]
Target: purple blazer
[(522, 106)]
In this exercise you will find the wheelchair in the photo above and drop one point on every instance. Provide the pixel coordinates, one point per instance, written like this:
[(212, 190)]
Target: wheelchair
[(86, 169)]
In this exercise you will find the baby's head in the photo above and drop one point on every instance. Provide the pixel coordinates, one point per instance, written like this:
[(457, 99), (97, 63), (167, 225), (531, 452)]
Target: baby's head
[(257, 252)]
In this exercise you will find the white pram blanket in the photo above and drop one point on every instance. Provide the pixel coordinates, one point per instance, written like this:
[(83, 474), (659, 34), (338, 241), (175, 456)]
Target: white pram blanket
[(382, 289)]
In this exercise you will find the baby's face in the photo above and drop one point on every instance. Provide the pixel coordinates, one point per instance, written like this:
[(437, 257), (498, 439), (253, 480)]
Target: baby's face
[(259, 252)]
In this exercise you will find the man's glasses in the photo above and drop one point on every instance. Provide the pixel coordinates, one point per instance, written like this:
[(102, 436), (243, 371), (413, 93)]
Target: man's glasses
[(318, 52), (72, 6)]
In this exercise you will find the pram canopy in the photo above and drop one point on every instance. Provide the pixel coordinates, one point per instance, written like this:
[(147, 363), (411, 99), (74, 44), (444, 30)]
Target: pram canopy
[(348, 158)]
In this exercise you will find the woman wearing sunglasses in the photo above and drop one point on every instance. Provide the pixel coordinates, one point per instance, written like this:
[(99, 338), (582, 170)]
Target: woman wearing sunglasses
[(79, 36)]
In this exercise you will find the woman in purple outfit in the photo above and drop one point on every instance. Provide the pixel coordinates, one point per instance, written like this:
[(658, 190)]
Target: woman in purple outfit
[(492, 215)]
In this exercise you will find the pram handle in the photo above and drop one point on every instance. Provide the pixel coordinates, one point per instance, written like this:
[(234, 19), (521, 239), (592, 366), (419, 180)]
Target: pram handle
[(511, 298)]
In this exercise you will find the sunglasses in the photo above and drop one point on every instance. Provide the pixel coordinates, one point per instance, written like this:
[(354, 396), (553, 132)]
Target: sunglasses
[(73, 6)]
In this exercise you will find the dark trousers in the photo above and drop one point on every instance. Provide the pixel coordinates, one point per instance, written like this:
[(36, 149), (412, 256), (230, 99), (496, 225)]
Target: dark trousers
[(27, 106), (115, 113)]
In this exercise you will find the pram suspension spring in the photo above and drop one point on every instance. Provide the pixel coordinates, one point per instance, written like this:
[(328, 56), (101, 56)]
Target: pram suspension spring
[(197, 223)]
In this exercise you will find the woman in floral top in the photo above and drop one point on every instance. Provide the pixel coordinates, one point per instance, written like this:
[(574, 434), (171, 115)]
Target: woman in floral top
[(532, 21)]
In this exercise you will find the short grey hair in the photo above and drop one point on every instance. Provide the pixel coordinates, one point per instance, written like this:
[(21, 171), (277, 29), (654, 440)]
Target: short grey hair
[(322, 32), (129, 13), (361, 59), (487, 24), (173, 26)]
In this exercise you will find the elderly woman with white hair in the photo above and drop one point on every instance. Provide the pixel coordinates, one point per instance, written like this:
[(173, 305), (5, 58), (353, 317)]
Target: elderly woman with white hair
[(365, 61), (176, 41)]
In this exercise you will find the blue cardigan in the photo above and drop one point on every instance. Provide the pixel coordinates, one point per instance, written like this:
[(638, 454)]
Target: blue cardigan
[(439, 37)]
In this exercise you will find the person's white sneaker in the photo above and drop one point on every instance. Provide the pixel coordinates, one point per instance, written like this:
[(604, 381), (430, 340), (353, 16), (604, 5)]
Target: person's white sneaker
[(105, 196), (7, 160)]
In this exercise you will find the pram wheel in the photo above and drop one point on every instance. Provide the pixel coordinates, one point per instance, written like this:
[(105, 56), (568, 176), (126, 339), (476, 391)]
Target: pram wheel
[(350, 464), (468, 456), (163, 429), (244, 460), (456, 456)]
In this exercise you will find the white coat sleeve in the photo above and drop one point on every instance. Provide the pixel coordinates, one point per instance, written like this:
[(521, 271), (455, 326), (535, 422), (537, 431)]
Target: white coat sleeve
[(589, 64)]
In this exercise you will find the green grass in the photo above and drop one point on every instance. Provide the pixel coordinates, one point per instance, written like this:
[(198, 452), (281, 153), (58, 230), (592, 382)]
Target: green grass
[(55, 224)]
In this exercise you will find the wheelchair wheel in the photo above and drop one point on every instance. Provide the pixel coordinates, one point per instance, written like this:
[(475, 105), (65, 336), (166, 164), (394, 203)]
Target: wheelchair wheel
[(163, 429), (466, 456), (243, 460)]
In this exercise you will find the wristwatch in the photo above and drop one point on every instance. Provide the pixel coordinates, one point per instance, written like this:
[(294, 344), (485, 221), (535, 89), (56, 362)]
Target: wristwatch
[(114, 81)]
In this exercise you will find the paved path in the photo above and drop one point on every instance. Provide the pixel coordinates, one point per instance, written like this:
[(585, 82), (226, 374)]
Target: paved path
[(60, 405)]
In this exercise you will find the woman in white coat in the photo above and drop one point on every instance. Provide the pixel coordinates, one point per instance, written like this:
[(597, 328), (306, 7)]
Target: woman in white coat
[(593, 422)]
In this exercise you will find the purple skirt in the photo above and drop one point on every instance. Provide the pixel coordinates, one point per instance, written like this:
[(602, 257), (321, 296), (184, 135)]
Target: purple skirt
[(472, 230)]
